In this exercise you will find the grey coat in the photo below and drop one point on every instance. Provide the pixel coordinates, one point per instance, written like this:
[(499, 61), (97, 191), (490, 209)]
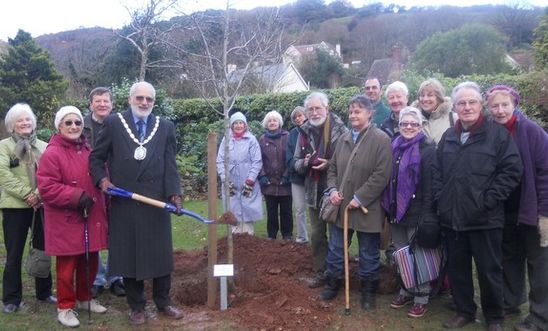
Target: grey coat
[(370, 172), (245, 162), (140, 241)]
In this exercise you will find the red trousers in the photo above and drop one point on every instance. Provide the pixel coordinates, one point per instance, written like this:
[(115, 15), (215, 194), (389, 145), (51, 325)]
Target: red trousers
[(67, 268)]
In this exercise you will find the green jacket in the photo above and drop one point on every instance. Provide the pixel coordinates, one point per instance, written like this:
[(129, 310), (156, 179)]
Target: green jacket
[(14, 181)]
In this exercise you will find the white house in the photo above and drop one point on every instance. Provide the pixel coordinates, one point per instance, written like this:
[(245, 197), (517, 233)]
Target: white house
[(273, 78)]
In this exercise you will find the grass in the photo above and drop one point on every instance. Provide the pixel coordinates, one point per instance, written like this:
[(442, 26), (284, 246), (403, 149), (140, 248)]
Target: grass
[(191, 234)]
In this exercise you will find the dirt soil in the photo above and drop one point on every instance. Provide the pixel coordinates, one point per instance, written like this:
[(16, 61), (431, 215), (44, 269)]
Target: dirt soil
[(270, 287)]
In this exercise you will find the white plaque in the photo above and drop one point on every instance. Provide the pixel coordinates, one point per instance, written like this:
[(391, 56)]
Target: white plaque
[(223, 270)]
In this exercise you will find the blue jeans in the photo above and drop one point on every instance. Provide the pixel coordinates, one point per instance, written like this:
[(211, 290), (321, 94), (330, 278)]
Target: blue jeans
[(369, 252), (103, 278)]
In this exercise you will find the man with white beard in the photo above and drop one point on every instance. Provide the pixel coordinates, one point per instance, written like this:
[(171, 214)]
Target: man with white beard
[(315, 146)]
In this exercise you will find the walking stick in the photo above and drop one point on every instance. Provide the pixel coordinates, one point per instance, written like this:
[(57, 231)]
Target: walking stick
[(86, 247), (346, 268)]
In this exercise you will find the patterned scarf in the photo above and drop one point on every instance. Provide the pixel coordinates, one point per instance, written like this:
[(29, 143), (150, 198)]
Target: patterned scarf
[(27, 153), (406, 173)]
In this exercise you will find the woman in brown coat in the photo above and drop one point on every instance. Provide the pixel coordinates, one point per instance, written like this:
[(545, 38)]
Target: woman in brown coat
[(368, 176)]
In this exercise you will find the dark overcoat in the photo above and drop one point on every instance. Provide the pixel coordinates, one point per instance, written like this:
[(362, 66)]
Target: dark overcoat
[(140, 235), (369, 174)]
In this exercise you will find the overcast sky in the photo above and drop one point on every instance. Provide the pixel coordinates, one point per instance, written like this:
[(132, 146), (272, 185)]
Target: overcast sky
[(50, 16)]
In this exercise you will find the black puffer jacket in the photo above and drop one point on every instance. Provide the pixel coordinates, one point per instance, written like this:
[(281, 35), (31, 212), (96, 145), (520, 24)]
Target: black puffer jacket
[(472, 180)]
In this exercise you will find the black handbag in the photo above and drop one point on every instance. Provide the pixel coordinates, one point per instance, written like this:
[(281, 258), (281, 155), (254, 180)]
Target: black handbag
[(38, 264), (428, 234)]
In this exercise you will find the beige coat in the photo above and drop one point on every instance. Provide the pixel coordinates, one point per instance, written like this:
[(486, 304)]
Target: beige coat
[(370, 172), (439, 120)]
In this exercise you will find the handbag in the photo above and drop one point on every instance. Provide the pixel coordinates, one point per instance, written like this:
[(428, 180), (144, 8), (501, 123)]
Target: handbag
[(328, 211), (417, 265), (38, 264)]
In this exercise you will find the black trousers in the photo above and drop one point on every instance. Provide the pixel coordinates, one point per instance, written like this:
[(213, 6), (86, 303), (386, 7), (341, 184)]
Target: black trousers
[(521, 249), (135, 292), (485, 248), (282, 220), (16, 223)]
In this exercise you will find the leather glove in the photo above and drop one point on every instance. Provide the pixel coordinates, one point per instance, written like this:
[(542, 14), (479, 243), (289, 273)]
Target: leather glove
[(285, 181), (105, 184), (263, 180), (85, 203), (543, 230), (231, 189), (177, 201), (247, 189)]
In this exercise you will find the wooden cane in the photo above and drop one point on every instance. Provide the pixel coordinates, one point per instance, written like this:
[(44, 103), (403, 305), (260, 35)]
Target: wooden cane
[(346, 267)]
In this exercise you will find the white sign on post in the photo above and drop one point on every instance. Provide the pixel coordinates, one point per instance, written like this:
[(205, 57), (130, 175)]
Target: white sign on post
[(223, 271)]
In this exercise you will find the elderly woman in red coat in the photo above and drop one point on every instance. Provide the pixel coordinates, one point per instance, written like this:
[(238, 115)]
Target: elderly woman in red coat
[(70, 200)]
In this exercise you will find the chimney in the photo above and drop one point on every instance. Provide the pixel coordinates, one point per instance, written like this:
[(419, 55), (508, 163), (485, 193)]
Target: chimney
[(397, 53), (338, 50)]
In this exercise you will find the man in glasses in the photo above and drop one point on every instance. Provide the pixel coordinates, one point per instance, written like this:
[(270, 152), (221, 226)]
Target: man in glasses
[(476, 167), (100, 106), (373, 90), (139, 150)]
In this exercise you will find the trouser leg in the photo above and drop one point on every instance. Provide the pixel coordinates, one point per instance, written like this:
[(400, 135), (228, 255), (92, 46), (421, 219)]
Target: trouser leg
[(135, 295), (487, 252), (459, 270), (286, 216), (42, 285), (318, 240), (15, 224), (537, 269), (299, 202), (335, 252), (65, 268), (513, 266), (272, 226), (160, 291)]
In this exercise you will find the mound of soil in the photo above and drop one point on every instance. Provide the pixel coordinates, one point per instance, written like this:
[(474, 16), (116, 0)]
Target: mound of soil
[(270, 285)]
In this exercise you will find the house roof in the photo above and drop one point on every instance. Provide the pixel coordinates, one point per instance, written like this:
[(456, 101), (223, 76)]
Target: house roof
[(271, 74)]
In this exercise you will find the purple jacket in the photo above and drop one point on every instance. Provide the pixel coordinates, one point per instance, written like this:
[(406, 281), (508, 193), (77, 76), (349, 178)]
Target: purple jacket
[(532, 142), (274, 173)]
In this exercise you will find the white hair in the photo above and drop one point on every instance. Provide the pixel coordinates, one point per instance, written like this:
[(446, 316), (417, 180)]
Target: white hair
[(13, 114), (138, 84), (397, 86), (273, 114), (466, 85), (411, 111)]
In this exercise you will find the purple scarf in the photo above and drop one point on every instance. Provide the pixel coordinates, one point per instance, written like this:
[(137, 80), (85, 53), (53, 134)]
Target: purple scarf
[(407, 175)]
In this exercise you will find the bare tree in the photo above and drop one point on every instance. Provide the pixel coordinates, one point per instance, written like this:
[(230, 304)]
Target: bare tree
[(215, 42), (147, 31)]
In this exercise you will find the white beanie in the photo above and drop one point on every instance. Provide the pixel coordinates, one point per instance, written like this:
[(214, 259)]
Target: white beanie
[(237, 116), (64, 111)]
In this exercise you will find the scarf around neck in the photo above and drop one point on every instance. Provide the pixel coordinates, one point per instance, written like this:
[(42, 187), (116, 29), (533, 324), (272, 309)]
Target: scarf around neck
[(273, 135), (406, 173), (322, 146), (27, 153)]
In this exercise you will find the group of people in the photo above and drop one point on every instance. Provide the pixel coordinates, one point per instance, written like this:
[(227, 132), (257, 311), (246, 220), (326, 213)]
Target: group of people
[(478, 180), (60, 190), (482, 178)]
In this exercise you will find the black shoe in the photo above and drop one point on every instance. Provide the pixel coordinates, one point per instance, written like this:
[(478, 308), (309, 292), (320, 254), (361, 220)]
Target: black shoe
[(51, 300), (10, 308), (318, 281), (117, 288), (96, 290), (526, 326)]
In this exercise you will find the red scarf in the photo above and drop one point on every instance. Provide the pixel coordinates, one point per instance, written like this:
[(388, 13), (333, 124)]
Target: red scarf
[(473, 129), (511, 125), (238, 136)]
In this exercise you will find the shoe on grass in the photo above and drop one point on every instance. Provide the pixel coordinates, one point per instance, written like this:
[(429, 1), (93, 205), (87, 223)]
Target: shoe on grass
[(94, 306), (67, 317)]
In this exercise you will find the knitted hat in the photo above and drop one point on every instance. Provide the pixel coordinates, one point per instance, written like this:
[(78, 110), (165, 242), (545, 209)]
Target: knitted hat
[(504, 88), (238, 116), (64, 111)]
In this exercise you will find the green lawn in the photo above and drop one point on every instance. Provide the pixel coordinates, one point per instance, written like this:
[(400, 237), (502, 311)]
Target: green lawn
[(192, 234)]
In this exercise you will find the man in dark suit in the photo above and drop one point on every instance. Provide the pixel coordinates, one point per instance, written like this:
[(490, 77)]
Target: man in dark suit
[(139, 150)]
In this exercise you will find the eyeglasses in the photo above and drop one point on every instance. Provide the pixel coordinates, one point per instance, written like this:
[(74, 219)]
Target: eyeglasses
[(70, 123), (141, 98), (471, 103), (409, 124)]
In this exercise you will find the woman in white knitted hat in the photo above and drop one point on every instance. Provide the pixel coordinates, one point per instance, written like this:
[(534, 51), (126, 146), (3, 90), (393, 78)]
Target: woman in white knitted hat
[(245, 164), (70, 200)]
